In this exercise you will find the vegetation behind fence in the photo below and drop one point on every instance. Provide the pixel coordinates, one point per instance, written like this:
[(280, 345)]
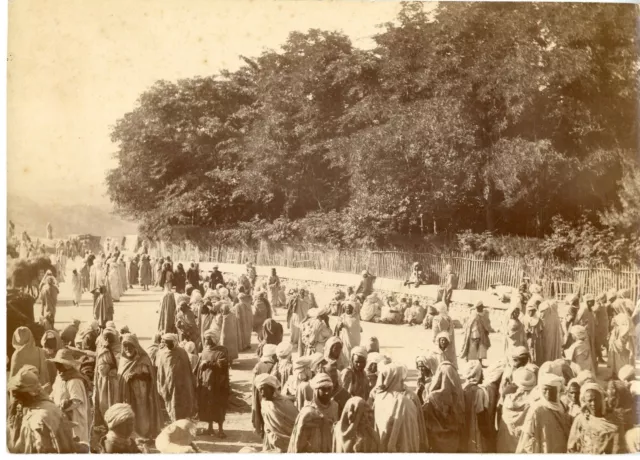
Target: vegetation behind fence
[(473, 273)]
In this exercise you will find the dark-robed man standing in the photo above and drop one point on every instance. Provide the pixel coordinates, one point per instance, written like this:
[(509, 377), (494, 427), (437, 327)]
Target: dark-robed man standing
[(175, 379)]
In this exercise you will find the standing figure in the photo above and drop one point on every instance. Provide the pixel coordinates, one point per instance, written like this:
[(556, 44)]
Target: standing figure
[(145, 274), (193, 275), (349, 330), (70, 393), (284, 367), (546, 426), (585, 317), (49, 301), (180, 279), (261, 311), (175, 379), (122, 270), (533, 329), (245, 318), (365, 288), (35, 425), (212, 383), (27, 353), (354, 378), (134, 272), (229, 332), (278, 413), (313, 428), (602, 325), (476, 335), (186, 325), (398, 413), (105, 387), (264, 366), (251, 274), (272, 333), (167, 319), (274, 289), (333, 353), (297, 308), (580, 351), (551, 331), (113, 279), (622, 345), (138, 388), (102, 309), (443, 323), (297, 387), (158, 271), (216, 277), (591, 433), (515, 331), (514, 409), (314, 332), (76, 287), (449, 283), (49, 231)]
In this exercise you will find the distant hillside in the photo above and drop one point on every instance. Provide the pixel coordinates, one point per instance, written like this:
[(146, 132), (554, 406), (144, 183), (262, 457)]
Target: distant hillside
[(31, 216)]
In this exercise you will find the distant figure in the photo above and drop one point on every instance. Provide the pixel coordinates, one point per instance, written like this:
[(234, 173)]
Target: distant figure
[(49, 231), (449, 283), (476, 335)]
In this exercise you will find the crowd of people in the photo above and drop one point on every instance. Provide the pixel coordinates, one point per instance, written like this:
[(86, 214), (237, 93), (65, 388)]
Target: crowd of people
[(323, 389)]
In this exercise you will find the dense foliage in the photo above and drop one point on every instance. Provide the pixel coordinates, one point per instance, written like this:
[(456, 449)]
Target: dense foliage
[(507, 118)]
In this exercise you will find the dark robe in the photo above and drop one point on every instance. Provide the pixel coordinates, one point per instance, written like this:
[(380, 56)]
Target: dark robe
[(133, 272), (102, 313), (175, 382), (212, 384), (272, 333), (193, 277), (179, 280), (167, 320), (137, 387), (216, 278)]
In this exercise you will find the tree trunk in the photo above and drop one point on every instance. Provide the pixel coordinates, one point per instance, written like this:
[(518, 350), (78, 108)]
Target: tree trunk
[(489, 211)]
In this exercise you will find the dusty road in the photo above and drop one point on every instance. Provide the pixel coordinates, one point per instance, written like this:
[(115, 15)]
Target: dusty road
[(137, 309)]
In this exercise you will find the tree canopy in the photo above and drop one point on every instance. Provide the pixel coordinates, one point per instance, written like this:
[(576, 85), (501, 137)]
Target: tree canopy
[(502, 117)]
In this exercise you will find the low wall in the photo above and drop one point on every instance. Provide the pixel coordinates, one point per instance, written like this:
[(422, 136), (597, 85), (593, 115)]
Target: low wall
[(322, 283), (301, 276)]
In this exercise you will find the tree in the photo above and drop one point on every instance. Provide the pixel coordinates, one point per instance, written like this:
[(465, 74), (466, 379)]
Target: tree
[(179, 155)]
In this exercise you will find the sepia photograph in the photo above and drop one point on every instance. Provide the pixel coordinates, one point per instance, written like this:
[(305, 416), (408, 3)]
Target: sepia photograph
[(322, 226)]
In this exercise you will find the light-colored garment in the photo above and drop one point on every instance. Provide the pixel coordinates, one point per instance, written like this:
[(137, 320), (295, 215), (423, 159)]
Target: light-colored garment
[(444, 323), (76, 287), (580, 354), (27, 353), (350, 335), (514, 411), (313, 429), (397, 412), (105, 388), (114, 282), (279, 417), (74, 390), (545, 430), (355, 431), (594, 435), (621, 343)]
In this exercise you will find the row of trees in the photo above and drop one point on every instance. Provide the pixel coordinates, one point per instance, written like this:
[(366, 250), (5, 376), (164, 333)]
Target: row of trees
[(491, 117)]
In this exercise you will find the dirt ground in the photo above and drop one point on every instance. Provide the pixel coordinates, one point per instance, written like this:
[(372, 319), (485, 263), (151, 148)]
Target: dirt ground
[(138, 310)]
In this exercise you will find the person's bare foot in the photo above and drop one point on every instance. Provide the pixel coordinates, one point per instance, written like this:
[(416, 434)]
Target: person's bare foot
[(221, 434)]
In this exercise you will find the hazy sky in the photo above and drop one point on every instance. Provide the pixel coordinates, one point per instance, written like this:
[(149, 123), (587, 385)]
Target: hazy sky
[(76, 66)]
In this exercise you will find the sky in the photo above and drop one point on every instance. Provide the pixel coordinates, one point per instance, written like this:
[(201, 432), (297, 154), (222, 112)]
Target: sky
[(77, 66)]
